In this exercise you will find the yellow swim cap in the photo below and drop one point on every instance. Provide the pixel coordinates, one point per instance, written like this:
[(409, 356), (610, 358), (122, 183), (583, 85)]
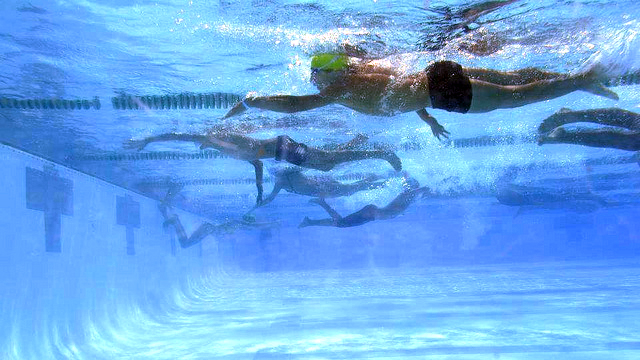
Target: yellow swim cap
[(330, 62)]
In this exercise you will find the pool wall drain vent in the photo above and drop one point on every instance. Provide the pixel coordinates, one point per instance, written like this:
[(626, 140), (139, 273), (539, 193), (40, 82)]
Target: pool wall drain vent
[(216, 100)]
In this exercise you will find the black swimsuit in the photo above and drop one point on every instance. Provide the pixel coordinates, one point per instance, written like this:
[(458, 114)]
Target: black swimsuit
[(291, 151), (449, 87)]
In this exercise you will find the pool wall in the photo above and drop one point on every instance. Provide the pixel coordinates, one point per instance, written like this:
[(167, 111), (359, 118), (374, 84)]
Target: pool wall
[(78, 255)]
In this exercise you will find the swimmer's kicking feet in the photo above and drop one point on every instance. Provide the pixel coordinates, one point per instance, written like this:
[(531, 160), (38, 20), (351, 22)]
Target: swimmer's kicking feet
[(373, 87)]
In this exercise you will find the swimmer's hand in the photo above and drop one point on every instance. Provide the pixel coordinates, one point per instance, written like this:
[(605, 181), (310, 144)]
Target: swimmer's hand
[(438, 130), (135, 144)]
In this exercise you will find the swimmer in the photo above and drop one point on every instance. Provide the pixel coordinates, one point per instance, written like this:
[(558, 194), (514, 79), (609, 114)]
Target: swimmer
[(528, 197), (205, 229), (371, 88), (243, 147), (370, 212), (293, 180), (623, 131)]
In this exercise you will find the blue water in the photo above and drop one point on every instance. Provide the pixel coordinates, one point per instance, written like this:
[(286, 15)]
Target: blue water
[(459, 275)]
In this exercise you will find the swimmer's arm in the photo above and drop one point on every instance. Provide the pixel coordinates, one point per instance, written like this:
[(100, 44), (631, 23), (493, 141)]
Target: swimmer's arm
[(276, 189), (257, 164), (282, 103), (437, 129), (141, 144)]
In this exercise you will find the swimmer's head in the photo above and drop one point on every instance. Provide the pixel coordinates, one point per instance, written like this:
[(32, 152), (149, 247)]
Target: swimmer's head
[(328, 68), (249, 218), (329, 62)]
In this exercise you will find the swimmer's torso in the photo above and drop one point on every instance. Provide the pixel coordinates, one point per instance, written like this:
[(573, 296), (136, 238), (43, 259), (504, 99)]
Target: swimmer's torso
[(240, 146), (379, 93)]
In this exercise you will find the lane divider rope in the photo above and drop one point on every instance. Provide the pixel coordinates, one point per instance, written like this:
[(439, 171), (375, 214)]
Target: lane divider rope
[(215, 100)]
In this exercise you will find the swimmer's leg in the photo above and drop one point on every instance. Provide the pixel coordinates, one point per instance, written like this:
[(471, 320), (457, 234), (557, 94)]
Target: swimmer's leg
[(334, 214), (515, 77), (321, 222), (257, 164), (489, 96), (327, 160)]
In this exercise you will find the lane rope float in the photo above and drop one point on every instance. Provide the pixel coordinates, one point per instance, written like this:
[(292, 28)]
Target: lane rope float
[(214, 100), (50, 104)]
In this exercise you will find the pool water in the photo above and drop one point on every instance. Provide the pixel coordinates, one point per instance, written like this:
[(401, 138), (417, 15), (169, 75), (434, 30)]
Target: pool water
[(91, 270)]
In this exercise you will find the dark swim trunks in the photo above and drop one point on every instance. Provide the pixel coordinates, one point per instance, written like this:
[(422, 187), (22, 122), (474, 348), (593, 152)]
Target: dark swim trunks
[(449, 87), (291, 151)]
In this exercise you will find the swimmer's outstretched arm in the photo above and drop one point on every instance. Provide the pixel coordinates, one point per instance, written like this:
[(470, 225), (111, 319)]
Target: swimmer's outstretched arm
[(281, 103), (141, 144), (515, 77), (437, 129)]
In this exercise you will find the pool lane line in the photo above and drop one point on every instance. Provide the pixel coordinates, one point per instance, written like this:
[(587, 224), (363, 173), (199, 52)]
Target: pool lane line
[(181, 101), (50, 104), (216, 100)]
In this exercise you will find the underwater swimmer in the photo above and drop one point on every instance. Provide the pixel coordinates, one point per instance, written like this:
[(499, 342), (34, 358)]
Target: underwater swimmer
[(370, 212), (622, 131), (370, 88), (282, 147), (293, 180), (205, 229)]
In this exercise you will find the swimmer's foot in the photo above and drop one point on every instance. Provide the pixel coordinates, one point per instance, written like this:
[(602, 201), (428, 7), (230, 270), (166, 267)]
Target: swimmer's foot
[(305, 222), (553, 137), (134, 144), (561, 117), (601, 90), (594, 77)]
